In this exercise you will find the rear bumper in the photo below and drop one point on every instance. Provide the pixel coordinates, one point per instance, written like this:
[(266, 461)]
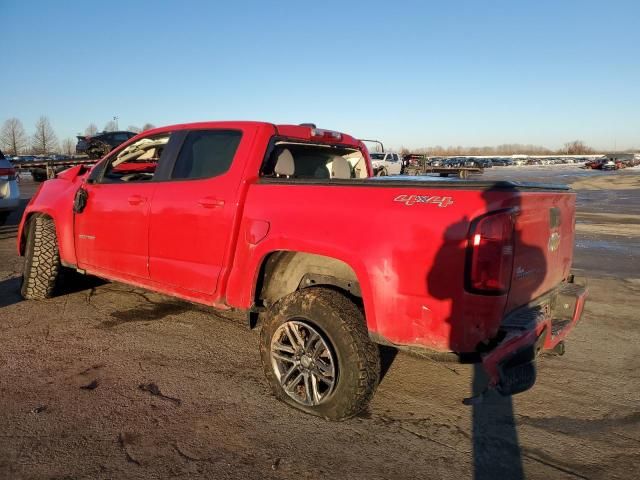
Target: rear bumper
[(541, 325)]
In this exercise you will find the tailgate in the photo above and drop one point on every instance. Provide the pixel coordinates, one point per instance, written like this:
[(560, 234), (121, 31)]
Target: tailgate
[(543, 248)]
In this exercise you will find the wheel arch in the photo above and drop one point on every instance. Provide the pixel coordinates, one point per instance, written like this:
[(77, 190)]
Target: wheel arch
[(28, 217), (26, 226), (283, 272)]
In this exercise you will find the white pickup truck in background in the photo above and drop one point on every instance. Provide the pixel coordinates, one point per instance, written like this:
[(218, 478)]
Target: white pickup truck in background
[(386, 163)]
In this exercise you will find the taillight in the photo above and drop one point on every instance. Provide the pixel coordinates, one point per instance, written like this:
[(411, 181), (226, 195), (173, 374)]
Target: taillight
[(9, 172), (490, 253)]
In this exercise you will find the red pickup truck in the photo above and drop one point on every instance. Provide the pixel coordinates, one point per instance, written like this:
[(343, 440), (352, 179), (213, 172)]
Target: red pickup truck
[(288, 223)]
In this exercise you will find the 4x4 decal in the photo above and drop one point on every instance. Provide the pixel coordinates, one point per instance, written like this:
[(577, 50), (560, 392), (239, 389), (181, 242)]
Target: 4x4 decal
[(415, 199)]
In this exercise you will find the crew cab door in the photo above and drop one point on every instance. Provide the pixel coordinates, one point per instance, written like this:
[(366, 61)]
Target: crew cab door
[(111, 222), (192, 213)]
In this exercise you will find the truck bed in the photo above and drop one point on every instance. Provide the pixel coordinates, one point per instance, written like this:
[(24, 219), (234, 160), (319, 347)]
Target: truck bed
[(414, 276)]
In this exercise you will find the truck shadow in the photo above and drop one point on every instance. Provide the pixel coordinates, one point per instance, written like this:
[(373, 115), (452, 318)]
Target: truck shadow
[(496, 448)]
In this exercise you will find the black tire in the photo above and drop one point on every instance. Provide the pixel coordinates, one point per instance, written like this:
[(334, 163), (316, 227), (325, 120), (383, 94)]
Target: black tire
[(3, 217), (42, 259), (382, 172), (342, 326)]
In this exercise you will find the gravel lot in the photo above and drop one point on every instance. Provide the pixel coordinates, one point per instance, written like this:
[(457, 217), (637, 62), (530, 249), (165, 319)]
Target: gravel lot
[(71, 405)]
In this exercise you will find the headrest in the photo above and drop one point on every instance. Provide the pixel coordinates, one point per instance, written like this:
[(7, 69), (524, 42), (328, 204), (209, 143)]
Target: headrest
[(340, 168), (285, 164)]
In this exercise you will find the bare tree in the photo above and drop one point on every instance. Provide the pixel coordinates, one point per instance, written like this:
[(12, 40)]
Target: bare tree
[(13, 138), (111, 126), (44, 139), (577, 147), (68, 146), (91, 130), (134, 129), (148, 126)]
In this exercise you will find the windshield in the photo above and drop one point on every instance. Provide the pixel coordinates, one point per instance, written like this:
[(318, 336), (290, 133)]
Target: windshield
[(377, 156)]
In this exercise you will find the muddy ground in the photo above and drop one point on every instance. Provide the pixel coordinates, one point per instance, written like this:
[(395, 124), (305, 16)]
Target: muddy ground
[(71, 405)]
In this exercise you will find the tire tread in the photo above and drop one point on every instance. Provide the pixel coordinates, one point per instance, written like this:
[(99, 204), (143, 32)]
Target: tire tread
[(42, 263)]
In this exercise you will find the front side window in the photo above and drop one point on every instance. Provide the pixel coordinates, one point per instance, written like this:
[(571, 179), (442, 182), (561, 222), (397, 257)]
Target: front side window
[(137, 162), (206, 154)]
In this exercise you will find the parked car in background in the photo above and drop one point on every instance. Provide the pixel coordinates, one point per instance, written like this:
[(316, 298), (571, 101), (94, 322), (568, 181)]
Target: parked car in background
[(502, 162), (595, 164), (484, 162), (386, 164), (9, 190), (98, 145), (39, 174)]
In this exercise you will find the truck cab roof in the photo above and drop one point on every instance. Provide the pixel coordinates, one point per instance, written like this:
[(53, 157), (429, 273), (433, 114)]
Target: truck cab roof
[(307, 133)]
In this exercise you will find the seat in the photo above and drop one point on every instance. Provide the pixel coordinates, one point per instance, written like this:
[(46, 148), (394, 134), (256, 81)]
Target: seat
[(285, 165), (322, 172), (340, 168)]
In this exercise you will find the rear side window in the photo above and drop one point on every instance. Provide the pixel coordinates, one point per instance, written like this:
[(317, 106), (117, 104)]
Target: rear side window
[(206, 153)]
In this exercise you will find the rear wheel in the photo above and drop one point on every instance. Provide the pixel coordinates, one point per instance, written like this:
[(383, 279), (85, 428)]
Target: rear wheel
[(42, 260), (3, 217), (317, 355)]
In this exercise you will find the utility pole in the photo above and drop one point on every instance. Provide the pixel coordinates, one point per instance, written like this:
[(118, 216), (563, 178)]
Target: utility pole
[(115, 119)]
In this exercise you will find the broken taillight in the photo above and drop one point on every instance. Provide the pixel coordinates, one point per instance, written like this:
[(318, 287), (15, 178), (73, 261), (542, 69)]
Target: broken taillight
[(490, 253)]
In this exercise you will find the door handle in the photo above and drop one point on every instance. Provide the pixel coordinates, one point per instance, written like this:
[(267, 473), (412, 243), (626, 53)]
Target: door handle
[(136, 200), (210, 202)]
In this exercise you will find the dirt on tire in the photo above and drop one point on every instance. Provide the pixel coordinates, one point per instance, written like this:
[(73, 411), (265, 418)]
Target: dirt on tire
[(42, 259), (342, 322)]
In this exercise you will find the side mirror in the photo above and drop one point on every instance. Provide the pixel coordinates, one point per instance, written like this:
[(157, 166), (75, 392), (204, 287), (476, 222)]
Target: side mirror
[(80, 200)]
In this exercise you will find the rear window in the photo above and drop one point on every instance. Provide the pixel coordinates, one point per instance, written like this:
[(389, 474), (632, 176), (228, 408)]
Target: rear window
[(314, 161), (206, 153)]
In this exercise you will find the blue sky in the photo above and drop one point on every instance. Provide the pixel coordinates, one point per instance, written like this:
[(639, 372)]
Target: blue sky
[(410, 73)]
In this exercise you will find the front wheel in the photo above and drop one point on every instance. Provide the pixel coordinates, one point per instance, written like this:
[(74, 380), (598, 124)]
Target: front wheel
[(42, 260), (317, 355)]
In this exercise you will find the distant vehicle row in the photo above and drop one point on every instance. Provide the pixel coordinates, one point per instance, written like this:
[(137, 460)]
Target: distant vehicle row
[(612, 163)]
